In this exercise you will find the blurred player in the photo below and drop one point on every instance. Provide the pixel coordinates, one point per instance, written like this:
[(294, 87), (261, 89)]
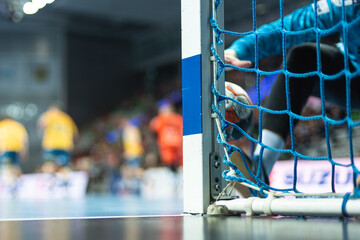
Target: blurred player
[(13, 146), (302, 58), (168, 127), (59, 132), (132, 143), (132, 169)]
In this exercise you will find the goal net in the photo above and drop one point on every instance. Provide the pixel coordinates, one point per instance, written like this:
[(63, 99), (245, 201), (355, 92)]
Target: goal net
[(222, 173)]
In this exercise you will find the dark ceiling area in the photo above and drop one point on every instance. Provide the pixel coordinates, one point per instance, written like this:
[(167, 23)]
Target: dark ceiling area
[(143, 21), (139, 15), (125, 12)]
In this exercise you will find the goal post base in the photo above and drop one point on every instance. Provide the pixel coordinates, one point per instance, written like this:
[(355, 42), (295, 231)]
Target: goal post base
[(214, 209), (321, 207)]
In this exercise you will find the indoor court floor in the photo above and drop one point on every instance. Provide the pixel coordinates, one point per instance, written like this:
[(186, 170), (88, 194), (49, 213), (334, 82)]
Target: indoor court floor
[(109, 217)]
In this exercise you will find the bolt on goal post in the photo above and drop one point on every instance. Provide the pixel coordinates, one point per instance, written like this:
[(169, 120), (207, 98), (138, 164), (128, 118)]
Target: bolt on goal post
[(201, 154)]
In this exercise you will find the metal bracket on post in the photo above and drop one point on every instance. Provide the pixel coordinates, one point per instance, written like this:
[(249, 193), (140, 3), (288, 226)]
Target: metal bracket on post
[(216, 180)]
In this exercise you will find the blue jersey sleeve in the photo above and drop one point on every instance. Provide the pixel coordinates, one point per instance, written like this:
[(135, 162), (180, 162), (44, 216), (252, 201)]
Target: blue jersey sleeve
[(298, 27)]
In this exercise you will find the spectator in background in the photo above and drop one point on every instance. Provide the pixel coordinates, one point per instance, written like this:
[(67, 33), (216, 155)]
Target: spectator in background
[(59, 131), (168, 127), (13, 146)]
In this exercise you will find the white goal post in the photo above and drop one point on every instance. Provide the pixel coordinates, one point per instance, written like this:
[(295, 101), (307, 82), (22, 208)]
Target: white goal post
[(202, 182)]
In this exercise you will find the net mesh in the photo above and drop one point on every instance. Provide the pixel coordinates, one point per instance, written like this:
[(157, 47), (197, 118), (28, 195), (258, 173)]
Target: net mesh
[(260, 90)]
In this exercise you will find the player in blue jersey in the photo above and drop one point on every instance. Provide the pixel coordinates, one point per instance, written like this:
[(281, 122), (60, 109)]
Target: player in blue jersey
[(302, 58)]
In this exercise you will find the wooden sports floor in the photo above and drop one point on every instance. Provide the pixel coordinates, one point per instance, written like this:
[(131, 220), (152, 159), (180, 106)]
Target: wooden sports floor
[(108, 217)]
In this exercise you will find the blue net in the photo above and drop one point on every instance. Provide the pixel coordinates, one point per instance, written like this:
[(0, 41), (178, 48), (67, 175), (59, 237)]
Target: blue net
[(344, 23)]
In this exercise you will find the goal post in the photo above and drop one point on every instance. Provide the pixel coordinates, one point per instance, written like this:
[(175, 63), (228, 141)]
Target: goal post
[(199, 131)]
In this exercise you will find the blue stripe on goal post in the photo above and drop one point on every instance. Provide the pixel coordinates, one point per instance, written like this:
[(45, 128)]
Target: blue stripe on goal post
[(191, 90)]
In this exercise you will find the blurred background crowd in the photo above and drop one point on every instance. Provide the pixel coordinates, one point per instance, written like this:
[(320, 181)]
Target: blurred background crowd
[(125, 151), (116, 149)]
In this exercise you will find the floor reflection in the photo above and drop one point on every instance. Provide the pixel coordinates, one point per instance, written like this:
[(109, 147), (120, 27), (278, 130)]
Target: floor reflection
[(185, 227)]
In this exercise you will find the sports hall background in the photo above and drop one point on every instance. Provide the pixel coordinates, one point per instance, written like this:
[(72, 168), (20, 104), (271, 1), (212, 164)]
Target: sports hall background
[(104, 60)]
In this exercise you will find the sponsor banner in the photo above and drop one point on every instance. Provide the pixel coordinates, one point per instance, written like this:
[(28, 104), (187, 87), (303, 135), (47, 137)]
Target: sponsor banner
[(45, 186), (162, 183), (313, 176)]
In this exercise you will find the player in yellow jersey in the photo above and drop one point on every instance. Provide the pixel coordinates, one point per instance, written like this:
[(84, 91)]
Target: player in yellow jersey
[(132, 143), (13, 145), (59, 132)]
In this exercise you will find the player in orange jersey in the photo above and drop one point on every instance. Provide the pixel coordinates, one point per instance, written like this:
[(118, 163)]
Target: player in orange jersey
[(168, 127)]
